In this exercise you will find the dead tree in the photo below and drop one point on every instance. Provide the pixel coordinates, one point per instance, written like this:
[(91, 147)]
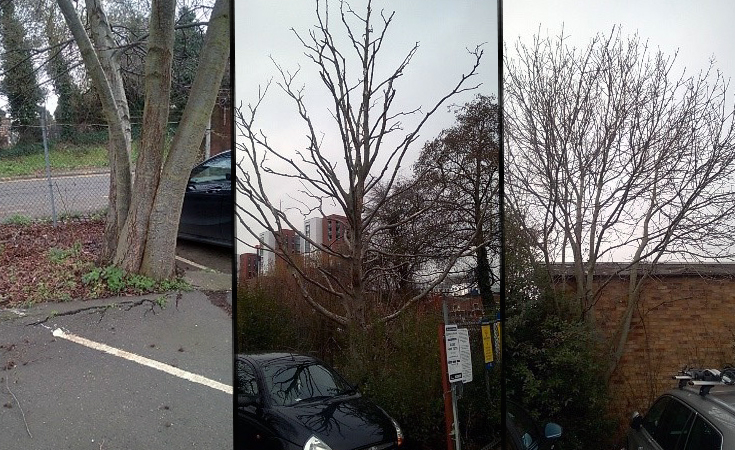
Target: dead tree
[(370, 159)]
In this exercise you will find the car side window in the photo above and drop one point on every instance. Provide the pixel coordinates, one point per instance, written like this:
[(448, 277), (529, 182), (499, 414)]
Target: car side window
[(653, 417), (704, 436), (247, 384), (218, 169), (673, 428)]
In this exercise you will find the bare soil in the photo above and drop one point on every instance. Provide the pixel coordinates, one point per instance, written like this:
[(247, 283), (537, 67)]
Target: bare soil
[(43, 263)]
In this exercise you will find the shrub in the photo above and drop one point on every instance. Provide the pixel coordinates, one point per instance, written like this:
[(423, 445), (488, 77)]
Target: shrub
[(554, 371)]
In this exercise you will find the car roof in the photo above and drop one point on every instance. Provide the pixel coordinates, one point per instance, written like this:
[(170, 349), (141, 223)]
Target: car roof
[(265, 358), (718, 406)]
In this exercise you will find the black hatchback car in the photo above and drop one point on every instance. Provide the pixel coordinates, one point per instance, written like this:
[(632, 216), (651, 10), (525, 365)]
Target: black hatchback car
[(295, 402), (208, 210)]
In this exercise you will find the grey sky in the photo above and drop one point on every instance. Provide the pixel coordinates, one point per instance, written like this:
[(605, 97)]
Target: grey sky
[(699, 30), (443, 29)]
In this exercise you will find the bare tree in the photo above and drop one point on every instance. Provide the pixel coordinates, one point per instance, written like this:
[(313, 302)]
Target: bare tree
[(613, 156), (367, 169)]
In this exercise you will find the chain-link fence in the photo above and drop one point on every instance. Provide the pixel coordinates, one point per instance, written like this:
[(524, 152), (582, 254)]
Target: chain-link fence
[(60, 170), (50, 176)]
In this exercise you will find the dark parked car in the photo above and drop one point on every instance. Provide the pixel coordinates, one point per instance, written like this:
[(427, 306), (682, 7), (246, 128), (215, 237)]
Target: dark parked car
[(523, 433), (208, 210), (296, 402), (699, 415)]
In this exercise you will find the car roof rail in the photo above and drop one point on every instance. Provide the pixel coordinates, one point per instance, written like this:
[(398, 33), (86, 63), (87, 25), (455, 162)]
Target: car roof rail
[(705, 378)]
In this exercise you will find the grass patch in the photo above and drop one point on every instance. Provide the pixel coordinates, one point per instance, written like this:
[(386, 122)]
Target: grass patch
[(58, 255), (60, 158), (115, 280), (18, 219)]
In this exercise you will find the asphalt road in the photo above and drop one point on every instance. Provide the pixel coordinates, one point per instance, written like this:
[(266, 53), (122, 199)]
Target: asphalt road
[(61, 392), (71, 194), (73, 396), (207, 255)]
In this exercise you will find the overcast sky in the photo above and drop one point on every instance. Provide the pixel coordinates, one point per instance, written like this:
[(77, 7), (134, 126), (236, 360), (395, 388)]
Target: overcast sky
[(443, 30), (698, 29)]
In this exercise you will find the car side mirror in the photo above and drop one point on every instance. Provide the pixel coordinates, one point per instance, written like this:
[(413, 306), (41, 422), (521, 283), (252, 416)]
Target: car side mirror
[(552, 430), (636, 421)]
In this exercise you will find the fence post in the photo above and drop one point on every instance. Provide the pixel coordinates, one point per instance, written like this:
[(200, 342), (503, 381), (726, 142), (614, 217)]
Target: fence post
[(48, 163)]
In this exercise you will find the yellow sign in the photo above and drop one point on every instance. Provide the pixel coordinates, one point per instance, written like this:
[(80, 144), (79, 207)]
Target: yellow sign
[(487, 343)]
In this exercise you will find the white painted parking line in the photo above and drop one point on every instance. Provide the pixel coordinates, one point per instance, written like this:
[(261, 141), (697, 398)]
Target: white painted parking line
[(144, 361), (192, 263)]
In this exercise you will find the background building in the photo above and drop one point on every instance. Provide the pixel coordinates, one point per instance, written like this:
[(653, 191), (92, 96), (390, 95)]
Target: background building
[(328, 231), (267, 258)]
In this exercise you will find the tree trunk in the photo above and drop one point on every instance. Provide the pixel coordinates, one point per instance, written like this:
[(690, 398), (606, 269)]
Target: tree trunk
[(484, 281), (104, 73), (160, 249), (134, 233)]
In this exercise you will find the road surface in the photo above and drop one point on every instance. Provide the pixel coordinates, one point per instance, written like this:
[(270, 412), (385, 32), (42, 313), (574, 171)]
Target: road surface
[(72, 194)]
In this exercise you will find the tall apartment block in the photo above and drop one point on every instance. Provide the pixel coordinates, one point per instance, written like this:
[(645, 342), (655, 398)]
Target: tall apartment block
[(326, 231)]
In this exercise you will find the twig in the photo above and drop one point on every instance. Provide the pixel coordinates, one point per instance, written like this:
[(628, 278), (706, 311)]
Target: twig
[(7, 386)]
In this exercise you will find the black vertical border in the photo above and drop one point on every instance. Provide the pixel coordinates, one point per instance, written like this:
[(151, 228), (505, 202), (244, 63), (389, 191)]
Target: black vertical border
[(501, 213)]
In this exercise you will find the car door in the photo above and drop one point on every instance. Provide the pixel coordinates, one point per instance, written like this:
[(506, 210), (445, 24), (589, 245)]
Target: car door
[(703, 436), (251, 431), (207, 212), (666, 426)]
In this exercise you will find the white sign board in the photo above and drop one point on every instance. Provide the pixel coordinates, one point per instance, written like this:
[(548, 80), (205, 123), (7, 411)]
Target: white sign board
[(454, 361), (465, 355)]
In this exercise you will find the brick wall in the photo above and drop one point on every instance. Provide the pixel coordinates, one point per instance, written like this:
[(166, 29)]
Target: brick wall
[(686, 319)]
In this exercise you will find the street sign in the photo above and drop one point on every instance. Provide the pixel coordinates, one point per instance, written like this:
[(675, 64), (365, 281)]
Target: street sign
[(454, 359), (465, 355)]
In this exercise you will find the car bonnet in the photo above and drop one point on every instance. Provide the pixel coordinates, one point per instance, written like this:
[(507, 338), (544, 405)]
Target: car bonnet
[(343, 423)]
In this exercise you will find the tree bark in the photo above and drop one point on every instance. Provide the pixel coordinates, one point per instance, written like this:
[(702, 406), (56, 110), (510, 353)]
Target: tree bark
[(134, 233), (159, 254), (104, 72)]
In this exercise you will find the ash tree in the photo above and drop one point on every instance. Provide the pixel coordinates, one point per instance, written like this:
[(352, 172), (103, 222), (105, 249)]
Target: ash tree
[(614, 155), (142, 220), (359, 181)]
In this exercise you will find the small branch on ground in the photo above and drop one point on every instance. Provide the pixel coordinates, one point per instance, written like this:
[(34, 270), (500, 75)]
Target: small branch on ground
[(7, 386)]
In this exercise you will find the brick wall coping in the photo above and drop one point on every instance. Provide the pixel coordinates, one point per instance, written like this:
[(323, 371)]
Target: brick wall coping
[(665, 269)]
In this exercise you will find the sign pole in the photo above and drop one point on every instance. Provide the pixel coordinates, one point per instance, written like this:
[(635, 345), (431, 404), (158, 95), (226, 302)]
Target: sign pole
[(458, 444), (446, 388)]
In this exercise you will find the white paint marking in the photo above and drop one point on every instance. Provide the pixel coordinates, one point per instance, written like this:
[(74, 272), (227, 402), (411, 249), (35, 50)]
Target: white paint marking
[(144, 361), (198, 266)]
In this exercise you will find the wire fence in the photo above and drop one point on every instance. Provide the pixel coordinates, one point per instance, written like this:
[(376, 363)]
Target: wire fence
[(52, 177), (58, 171)]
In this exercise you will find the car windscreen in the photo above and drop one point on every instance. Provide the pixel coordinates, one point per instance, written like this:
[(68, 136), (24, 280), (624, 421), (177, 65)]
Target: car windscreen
[(292, 382)]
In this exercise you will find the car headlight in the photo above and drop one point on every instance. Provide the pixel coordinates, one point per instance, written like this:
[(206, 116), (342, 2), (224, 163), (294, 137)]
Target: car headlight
[(314, 443), (399, 433)]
